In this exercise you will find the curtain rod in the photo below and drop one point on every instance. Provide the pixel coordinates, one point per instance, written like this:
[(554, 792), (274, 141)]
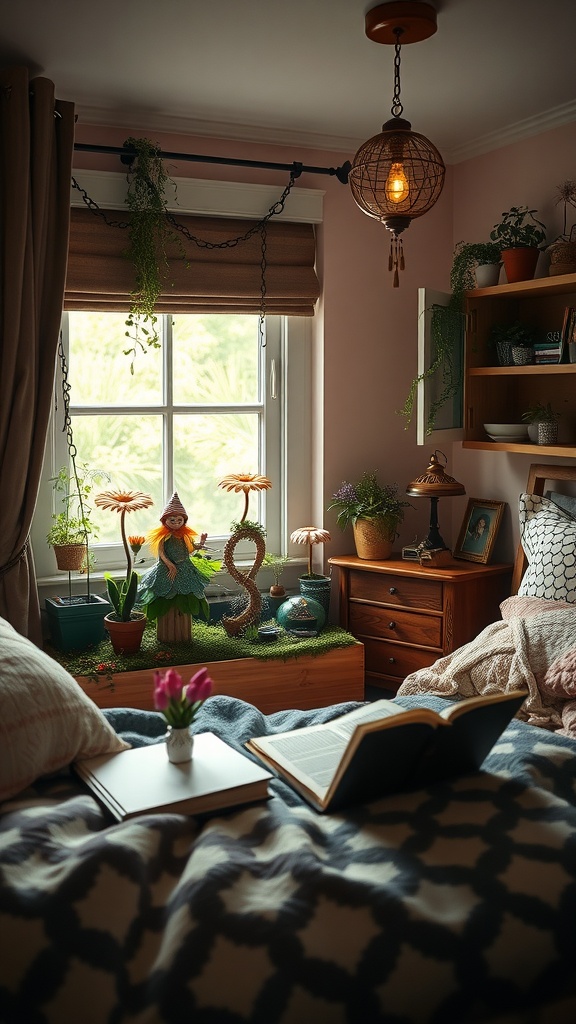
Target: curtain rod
[(127, 156)]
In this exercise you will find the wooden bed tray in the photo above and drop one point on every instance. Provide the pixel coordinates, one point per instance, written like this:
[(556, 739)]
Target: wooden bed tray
[(538, 475)]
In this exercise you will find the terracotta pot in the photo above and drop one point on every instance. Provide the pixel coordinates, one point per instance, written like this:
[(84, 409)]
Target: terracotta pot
[(520, 264), (125, 637), (370, 540)]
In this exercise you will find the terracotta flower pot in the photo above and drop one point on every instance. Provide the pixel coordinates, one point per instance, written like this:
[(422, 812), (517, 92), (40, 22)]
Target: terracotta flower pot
[(520, 264), (125, 637), (371, 541)]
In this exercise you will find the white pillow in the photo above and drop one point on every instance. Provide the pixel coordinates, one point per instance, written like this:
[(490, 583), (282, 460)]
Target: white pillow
[(46, 719), (548, 535)]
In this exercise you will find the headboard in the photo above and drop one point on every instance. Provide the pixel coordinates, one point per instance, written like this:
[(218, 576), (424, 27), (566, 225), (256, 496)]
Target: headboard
[(536, 484)]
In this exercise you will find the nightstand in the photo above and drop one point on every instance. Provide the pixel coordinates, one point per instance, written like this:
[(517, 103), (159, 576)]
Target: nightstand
[(408, 615)]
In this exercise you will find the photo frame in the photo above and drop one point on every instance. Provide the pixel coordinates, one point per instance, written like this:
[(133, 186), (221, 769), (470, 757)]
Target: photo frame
[(479, 530)]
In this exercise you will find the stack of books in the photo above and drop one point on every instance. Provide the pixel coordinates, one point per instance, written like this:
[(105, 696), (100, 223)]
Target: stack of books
[(549, 350)]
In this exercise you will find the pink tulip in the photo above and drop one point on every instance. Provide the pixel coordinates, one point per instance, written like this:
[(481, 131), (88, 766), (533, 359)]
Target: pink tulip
[(199, 687), (173, 683), (161, 698)]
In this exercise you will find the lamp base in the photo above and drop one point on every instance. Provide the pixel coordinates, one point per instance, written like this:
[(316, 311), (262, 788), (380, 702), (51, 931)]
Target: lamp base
[(434, 540)]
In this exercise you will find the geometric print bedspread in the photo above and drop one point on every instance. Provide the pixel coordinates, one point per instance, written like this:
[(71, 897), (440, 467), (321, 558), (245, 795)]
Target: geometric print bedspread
[(455, 904)]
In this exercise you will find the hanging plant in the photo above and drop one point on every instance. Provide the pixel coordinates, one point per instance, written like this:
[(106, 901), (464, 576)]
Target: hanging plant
[(447, 329), (149, 234)]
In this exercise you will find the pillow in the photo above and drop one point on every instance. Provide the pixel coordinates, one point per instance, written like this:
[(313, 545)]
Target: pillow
[(526, 607), (548, 535), (46, 719)]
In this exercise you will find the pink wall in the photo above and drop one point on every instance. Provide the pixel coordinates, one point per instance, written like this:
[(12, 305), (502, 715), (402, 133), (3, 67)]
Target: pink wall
[(366, 331)]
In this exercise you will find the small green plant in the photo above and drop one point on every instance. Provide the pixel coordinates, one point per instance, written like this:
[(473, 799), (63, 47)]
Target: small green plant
[(277, 563), (516, 333), (519, 229), (369, 499), (540, 413), (74, 524)]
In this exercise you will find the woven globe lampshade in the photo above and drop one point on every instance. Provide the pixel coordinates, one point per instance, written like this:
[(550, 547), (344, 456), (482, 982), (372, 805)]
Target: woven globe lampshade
[(399, 174)]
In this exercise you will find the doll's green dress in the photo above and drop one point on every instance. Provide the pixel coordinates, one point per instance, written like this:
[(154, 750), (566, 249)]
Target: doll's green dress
[(188, 580)]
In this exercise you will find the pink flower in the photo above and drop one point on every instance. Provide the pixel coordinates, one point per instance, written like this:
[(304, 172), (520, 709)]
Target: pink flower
[(161, 699), (199, 687), (174, 683)]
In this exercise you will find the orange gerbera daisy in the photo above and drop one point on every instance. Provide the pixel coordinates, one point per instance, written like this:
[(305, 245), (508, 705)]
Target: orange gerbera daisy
[(310, 535), (123, 502), (245, 482)]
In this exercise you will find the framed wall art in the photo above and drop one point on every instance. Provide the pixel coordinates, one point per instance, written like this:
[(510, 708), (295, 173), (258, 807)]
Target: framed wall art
[(479, 530)]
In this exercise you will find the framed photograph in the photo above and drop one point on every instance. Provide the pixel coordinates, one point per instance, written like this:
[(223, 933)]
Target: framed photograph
[(479, 529)]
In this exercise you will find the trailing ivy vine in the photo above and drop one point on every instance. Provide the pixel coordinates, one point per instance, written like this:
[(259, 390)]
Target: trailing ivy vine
[(447, 325), (149, 232)]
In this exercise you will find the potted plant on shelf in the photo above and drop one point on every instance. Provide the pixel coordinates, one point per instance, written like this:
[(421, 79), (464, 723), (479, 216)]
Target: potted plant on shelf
[(562, 250), (542, 423), (375, 512), (520, 236), (513, 343), (124, 625), (476, 264)]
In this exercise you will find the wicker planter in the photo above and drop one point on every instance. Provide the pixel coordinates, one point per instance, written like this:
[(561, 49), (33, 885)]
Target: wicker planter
[(372, 541), (70, 557), (562, 258)]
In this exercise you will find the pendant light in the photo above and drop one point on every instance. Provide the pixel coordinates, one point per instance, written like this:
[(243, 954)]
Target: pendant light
[(397, 175)]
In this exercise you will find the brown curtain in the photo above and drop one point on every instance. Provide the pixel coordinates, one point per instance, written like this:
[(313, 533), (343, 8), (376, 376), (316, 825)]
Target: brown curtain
[(37, 133), (209, 279)]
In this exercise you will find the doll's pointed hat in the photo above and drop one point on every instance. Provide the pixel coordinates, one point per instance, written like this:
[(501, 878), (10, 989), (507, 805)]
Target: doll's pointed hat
[(174, 508)]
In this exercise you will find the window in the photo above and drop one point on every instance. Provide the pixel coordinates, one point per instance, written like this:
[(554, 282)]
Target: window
[(211, 401)]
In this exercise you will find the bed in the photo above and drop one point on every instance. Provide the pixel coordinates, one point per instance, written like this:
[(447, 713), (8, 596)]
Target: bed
[(455, 904)]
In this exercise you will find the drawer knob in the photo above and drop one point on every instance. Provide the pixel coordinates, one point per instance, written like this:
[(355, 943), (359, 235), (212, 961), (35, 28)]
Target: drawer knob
[(391, 660), (393, 590), (391, 625)]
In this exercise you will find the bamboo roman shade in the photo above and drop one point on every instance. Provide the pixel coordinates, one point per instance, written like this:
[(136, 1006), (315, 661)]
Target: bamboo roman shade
[(227, 280)]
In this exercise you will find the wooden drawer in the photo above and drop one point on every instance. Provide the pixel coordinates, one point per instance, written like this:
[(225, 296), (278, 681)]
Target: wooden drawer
[(395, 624), (395, 660), (387, 588)]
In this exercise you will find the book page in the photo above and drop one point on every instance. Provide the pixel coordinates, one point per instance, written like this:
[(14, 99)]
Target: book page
[(313, 754)]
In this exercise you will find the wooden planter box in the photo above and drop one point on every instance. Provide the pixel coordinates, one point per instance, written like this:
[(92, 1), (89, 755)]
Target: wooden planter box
[(270, 684)]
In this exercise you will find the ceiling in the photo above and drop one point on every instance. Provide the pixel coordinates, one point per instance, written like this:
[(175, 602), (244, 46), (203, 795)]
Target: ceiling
[(302, 72)]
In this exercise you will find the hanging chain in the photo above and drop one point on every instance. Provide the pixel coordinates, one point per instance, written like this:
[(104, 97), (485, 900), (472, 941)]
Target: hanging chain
[(397, 108), (72, 450), (260, 227), (263, 265)]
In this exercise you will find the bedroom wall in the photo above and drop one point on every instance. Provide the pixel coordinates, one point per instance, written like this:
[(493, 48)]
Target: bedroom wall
[(364, 353)]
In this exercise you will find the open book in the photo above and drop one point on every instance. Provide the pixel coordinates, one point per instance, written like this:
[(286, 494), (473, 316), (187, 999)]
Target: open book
[(382, 748), (143, 781)]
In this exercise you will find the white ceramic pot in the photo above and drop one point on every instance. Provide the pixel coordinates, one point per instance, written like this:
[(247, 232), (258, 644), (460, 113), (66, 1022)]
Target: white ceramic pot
[(487, 274)]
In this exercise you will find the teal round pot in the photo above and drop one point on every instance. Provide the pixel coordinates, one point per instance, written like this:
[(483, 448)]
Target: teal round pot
[(301, 614)]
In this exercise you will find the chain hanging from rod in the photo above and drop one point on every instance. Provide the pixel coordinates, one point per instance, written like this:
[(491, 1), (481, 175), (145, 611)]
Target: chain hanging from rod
[(258, 227)]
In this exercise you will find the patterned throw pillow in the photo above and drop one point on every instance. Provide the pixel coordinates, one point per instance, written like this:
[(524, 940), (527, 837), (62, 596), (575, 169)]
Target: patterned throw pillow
[(548, 535), (46, 719)]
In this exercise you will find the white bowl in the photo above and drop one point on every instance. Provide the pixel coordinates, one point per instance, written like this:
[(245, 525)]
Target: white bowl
[(506, 429)]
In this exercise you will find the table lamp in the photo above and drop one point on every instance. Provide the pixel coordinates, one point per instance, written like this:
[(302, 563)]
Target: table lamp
[(435, 483)]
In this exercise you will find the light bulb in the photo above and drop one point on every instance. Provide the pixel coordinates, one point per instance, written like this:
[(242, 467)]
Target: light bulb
[(396, 184)]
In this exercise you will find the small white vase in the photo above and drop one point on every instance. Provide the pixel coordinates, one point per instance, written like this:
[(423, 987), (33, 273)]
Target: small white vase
[(179, 744), (487, 274)]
